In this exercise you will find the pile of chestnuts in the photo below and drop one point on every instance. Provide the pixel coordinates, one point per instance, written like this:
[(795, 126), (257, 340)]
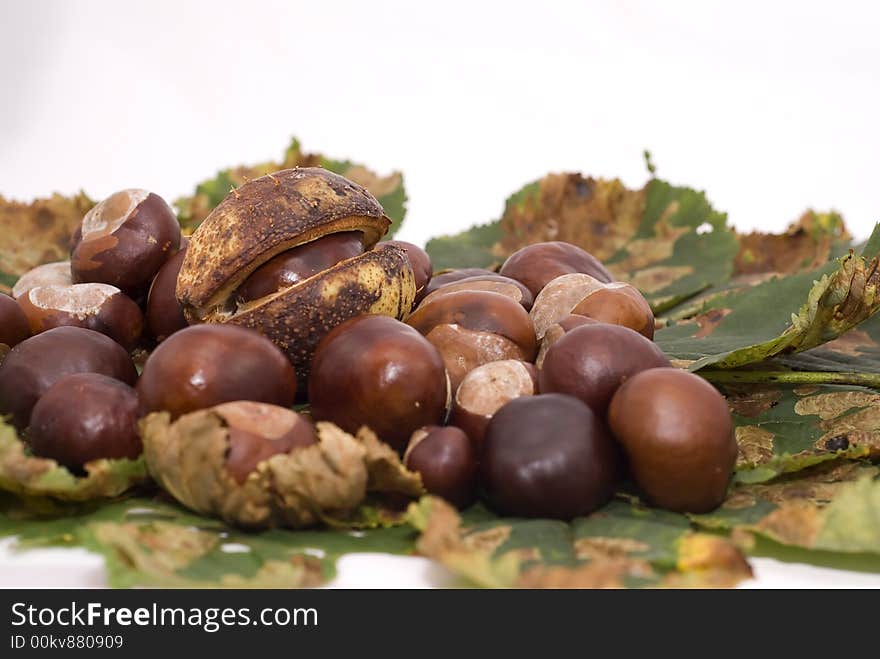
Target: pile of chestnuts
[(536, 388)]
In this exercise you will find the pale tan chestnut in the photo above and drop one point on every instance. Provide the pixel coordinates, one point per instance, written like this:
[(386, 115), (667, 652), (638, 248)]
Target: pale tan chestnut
[(56, 273), (273, 214)]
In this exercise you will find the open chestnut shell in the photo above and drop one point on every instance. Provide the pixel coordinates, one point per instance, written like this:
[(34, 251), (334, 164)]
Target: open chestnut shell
[(377, 372), (124, 240), (420, 262), (36, 364), (85, 417), (471, 328), (677, 432), (205, 365), (548, 456), (277, 213)]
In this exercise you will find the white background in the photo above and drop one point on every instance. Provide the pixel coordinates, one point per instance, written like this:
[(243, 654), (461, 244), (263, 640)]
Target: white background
[(771, 107)]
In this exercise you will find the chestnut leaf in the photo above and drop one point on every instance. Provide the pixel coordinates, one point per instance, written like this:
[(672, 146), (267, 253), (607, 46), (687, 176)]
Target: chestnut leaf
[(31, 477), (37, 233)]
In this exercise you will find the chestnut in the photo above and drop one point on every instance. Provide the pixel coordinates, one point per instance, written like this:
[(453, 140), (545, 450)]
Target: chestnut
[(48, 274), (98, 307), (446, 460), (486, 389), (471, 328), (301, 262), (547, 456), (14, 326), (37, 363), (124, 240), (590, 362), (556, 331), (258, 431), (164, 313), (450, 276), (492, 283), (419, 261), (537, 264), (205, 365), (677, 432), (376, 371), (85, 417)]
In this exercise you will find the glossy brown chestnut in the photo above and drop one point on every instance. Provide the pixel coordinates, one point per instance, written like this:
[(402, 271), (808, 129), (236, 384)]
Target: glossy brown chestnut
[(257, 431), (85, 417), (556, 331), (450, 276), (124, 240), (590, 362), (547, 456), (299, 263), (378, 372), (678, 435), (559, 297), (486, 389), (36, 364), (619, 304), (48, 274), (492, 283), (100, 307), (14, 326), (537, 264), (164, 314), (446, 460), (418, 260), (471, 328), (205, 365)]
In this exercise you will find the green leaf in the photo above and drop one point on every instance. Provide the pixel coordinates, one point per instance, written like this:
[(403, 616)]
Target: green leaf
[(389, 190), (621, 545), (151, 542), (778, 317), (33, 477)]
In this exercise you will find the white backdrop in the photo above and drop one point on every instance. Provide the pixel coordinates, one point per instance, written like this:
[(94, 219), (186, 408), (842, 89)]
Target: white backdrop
[(771, 107)]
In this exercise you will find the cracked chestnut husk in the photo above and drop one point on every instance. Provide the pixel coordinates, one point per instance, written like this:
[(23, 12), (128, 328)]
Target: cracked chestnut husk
[(258, 261), (258, 465), (678, 435)]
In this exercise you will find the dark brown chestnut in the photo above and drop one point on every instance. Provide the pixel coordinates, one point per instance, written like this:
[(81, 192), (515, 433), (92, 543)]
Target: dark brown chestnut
[(548, 456), (590, 362), (556, 331), (14, 326), (678, 435), (486, 389), (492, 283), (36, 364), (164, 314), (85, 417), (257, 431), (537, 264), (100, 307), (299, 263), (48, 274), (419, 261), (205, 365), (450, 276), (446, 460), (124, 240), (471, 328), (378, 372)]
